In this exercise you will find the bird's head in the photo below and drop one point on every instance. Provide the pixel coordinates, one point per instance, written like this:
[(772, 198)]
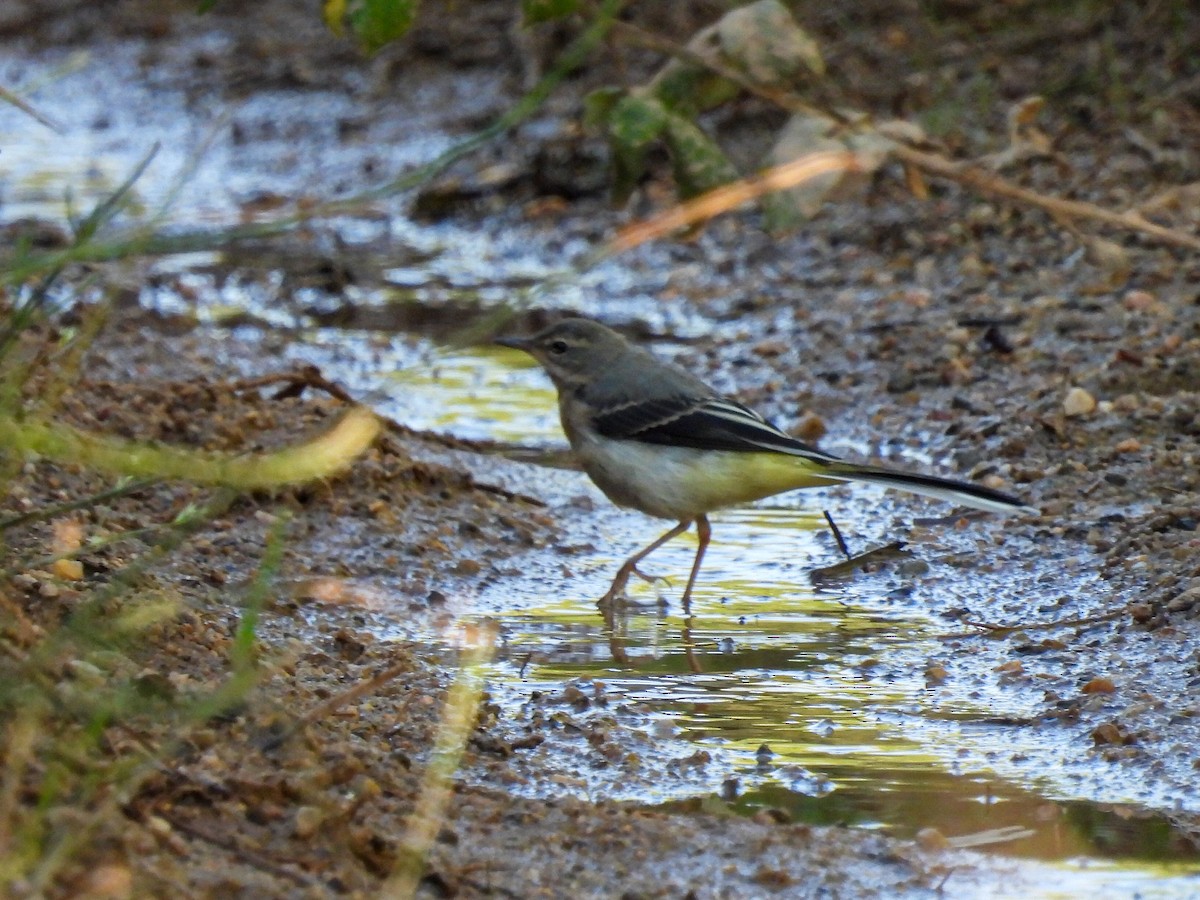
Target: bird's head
[(573, 351)]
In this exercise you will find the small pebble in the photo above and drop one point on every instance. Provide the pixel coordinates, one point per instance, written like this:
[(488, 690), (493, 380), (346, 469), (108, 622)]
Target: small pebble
[(1136, 301), (1111, 733), (108, 882), (308, 820), (158, 826), (67, 569), (1099, 686), (1127, 403), (1184, 600), (912, 567), (936, 674), (1078, 402), (811, 428), (468, 567), (1141, 612)]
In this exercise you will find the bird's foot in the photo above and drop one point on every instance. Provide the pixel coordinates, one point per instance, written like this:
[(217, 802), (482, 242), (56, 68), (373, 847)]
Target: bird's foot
[(649, 579), (614, 597)]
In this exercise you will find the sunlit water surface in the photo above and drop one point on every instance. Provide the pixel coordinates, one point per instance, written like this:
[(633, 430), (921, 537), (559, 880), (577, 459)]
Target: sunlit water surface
[(815, 701)]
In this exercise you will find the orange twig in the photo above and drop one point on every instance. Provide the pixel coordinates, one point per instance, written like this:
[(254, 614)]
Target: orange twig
[(730, 196)]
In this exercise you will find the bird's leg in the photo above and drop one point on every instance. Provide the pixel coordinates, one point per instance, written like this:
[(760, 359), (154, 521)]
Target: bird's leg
[(630, 565), (704, 533)]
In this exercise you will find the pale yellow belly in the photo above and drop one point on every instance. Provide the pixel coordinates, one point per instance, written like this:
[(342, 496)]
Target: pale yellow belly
[(681, 483)]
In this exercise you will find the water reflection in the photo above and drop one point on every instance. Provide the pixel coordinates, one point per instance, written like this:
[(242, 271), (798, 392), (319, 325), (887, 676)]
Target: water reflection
[(830, 681), (813, 694)]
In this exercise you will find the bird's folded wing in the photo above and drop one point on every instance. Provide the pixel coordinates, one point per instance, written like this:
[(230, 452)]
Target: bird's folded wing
[(701, 423)]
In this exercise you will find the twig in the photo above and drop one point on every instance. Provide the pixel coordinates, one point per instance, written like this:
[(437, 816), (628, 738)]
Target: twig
[(713, 203), (964, 173), (506, 494), (845, 567), (985, 182), (991, 836), (993, 630), (958, 516), (837, 534), (250, 857), (321, 710), (295, 382)]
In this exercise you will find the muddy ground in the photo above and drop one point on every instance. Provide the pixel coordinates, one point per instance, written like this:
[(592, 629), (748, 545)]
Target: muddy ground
[(955, 326)]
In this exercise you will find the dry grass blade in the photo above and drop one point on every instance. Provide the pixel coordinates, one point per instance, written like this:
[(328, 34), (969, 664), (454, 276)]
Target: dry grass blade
[(9, 97), (1003, 835), (739, 193), (458, 720), (317, 458)]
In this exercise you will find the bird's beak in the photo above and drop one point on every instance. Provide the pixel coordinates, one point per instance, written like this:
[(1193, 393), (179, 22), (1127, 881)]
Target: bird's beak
[(516, 343)]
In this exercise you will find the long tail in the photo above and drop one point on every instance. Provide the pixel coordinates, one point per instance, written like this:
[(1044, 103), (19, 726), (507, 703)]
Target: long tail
[(974, 495)]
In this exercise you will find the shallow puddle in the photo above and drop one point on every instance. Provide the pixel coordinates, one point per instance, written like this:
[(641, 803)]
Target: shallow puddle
[(474, 394), (814, 702), (814, 732), (799, 692)]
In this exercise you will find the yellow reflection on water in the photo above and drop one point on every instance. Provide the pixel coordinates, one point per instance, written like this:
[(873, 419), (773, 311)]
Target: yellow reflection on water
[(482, 393), (834, 687)]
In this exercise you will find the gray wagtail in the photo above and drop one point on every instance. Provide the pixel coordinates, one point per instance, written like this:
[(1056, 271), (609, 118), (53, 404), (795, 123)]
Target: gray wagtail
[(659, 440)]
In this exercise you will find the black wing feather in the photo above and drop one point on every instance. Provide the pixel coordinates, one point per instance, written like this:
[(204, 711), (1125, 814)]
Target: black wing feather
[(714, 423), (701, 423)]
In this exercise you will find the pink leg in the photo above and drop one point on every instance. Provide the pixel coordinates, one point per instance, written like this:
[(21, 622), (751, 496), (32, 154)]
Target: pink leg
[(704, 533), (630, 565)]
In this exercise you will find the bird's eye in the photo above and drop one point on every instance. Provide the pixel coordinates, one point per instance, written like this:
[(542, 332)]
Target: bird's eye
[(558, 348)]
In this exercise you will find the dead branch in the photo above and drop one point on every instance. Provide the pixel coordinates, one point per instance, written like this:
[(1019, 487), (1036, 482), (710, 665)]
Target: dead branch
[(294, 384), (892, 550), (250, 857), (993, 630), (322, 710), (974, 177)]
